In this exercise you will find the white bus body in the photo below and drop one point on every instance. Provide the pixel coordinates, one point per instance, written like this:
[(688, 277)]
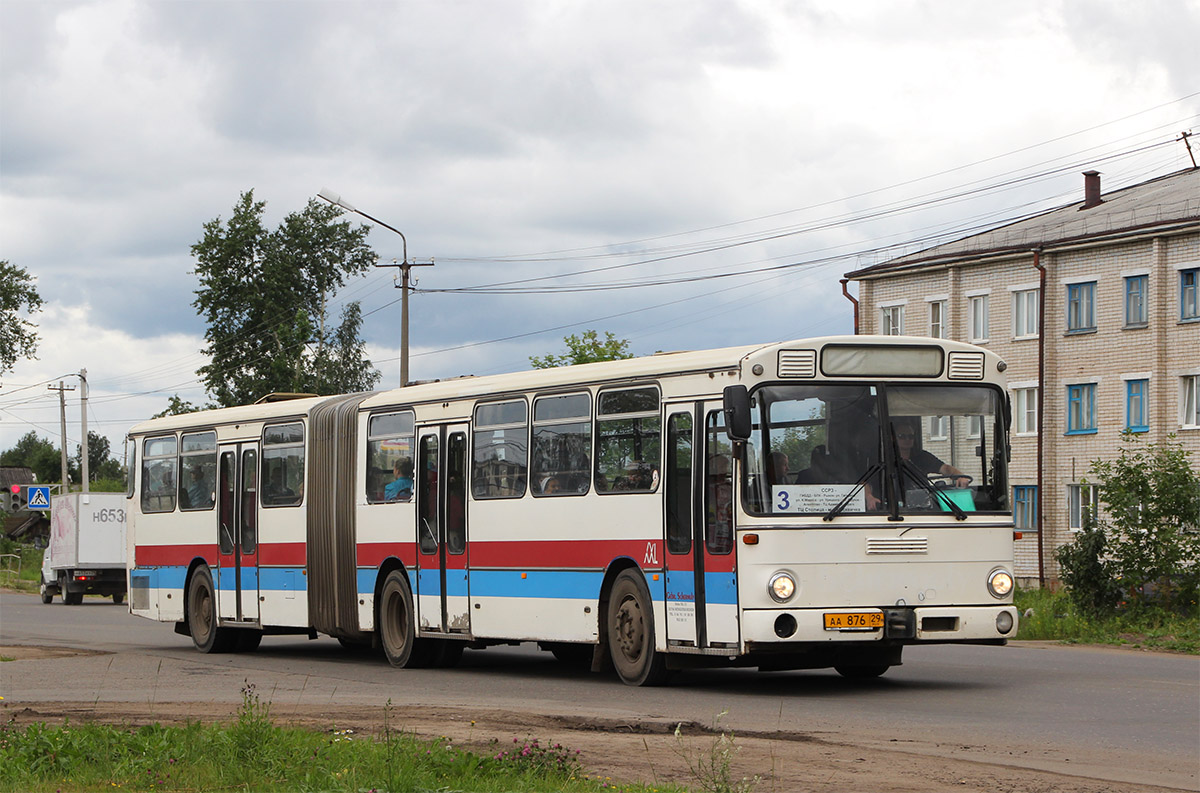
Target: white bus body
[(856, 503)]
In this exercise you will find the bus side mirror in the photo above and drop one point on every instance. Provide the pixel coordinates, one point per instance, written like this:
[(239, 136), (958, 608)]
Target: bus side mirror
[(737, 412)]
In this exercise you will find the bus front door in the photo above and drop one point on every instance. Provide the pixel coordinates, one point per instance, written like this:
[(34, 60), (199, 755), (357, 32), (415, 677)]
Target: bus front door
[(237, 539), (442, 596), (701, 585)]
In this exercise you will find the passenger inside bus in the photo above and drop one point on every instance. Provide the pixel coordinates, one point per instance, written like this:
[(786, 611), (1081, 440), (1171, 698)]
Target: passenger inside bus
[(400, 488)]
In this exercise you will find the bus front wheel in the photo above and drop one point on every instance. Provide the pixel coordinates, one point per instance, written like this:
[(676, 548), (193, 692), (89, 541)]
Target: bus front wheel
[(397, 633), (631, 632)]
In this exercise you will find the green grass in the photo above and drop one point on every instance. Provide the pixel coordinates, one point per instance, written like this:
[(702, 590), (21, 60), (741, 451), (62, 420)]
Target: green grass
[(30, 566), (251, 753), (1055, 618)]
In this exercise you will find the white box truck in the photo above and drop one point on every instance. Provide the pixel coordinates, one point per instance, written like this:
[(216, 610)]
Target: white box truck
[(86, 555)]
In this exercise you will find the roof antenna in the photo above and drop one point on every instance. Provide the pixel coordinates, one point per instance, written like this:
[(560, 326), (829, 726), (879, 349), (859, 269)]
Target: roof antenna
[(1183, 136)]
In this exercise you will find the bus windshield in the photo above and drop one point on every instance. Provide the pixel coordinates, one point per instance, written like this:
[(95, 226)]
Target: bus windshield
[(826, 450)]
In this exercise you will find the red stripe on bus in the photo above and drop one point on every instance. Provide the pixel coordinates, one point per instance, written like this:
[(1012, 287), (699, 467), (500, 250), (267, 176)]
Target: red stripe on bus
[(162, 555), (283, 554), (372, 554), (557, 554)]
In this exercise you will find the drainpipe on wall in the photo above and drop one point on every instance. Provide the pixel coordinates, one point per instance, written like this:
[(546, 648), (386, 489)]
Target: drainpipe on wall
[(1041, 495), (852, 300)]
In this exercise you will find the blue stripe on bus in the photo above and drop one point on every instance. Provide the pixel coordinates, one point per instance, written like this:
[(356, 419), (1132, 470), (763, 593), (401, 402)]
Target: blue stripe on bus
[(720, 588)]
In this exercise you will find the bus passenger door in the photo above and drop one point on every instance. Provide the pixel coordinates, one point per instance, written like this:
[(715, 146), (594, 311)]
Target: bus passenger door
[(442, 596), (237, 533), (701, 590)]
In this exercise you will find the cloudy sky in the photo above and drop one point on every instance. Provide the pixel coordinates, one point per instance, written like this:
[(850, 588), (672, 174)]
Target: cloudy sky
[(684, 174)]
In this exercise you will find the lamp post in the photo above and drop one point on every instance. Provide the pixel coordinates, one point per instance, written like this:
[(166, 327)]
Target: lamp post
[(404, 264)]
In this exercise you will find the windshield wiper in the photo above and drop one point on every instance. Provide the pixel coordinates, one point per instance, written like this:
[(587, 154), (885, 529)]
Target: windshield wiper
[(914, 473), (862, 481)]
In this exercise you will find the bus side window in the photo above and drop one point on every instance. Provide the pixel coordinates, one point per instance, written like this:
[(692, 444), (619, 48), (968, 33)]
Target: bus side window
[(562, 441), (499, 465), (628, 433)]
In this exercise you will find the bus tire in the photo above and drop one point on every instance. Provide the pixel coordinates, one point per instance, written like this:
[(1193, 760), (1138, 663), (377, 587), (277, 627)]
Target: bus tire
[(862, 672), (207, 634), (397, 631), (631, 632)]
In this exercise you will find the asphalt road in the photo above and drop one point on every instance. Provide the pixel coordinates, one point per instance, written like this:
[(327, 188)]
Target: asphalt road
[(1122, 715)]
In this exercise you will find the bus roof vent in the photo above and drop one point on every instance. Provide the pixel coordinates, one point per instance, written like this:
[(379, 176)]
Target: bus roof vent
[(966, 366), (797, 363)]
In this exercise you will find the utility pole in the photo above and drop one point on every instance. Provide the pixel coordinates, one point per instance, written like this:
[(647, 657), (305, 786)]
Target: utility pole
[(404, 264), (83, 449), (405, 286), (62, 421)]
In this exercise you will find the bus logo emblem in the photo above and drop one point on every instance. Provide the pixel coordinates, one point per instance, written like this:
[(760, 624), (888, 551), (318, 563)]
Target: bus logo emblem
[(651, 554)]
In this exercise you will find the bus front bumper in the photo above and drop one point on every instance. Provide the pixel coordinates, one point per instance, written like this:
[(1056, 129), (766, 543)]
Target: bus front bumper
[(905, 624)]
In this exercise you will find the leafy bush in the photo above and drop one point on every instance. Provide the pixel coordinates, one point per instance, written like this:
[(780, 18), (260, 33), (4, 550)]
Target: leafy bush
[(1146, 550)]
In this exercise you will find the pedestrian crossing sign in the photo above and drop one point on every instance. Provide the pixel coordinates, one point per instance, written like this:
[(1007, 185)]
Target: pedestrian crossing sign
[(38, 497)]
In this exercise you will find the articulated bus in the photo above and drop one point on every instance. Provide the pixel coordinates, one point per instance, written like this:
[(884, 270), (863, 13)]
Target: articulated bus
[(800, 505)]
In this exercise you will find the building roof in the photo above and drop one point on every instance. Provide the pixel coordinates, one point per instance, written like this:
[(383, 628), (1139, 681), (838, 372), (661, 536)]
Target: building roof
[(16, 475), (1165, 201)]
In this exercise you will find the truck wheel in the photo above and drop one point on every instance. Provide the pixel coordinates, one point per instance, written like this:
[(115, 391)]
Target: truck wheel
[(47, 597), (397, 632), (631, 632), (118, 598), (72, 598), (207, 634)]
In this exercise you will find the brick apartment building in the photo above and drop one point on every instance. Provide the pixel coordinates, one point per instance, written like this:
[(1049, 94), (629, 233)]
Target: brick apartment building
[(1117, 337)]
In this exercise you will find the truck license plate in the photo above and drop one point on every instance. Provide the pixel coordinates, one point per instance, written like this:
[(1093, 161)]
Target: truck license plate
[(861, 621)]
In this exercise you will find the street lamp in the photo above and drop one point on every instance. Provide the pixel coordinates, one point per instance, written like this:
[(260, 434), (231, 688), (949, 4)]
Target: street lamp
[(404, 266)]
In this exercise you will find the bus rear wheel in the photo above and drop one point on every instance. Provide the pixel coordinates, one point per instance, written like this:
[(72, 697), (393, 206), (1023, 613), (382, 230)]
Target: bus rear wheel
[(631, 632), (207, 634), (397, 633)]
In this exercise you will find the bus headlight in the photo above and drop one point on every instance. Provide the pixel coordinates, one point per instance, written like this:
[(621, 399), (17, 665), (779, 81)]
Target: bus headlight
[(1000, 583), (782, 587)]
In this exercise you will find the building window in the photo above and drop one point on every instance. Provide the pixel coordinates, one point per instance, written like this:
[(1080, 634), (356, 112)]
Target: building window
[(1189, 400), (979, 318), (891, 320), (1189, 304), (1025, 507), (1081, 307), (1025, 415), (1135, 301), (1135, 405), (1025, 313), (937, 319), (1081, 408), (939, 428), (1083, 504)]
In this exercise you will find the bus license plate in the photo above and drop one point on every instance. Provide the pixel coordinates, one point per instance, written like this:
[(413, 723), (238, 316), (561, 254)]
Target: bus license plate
[(840, 621)]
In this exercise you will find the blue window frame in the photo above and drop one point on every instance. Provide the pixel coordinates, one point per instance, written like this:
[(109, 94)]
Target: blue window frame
[(1081, 307), (1135, 301), (1025, 507), (1189, 294), (1081, 409), (1136, 415)]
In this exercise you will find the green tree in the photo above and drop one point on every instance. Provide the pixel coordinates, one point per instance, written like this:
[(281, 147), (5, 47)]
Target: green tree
[(1151, 494), (101, 465), (264, 296), (18, 295), (585, 348), (39, 455), (176, 407)]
